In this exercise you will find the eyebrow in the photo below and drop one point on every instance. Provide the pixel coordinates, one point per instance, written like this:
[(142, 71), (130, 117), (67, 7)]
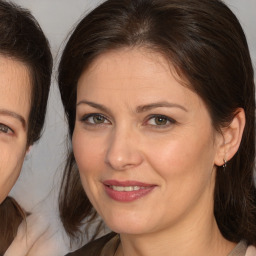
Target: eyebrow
[(139, 109), (162, 104), (94, 105), (14, 115)]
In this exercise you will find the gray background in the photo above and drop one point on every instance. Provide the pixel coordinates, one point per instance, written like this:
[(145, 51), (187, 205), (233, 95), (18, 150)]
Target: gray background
[(43, 167)]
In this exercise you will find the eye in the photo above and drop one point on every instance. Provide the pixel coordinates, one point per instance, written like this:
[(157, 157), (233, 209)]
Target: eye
[(95, 119), (160, 120), (5, 129)]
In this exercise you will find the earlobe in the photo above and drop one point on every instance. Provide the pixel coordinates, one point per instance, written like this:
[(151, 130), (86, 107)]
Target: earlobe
[(231, 138)]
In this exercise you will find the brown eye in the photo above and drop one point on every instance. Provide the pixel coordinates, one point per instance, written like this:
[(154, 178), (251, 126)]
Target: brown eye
[(5, 129)]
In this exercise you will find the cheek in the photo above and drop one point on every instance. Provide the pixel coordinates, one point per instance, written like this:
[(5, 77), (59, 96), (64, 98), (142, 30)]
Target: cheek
[(183, 158), (170, 156), (185, 166), (10, 166), (87, 153), (89, 157)]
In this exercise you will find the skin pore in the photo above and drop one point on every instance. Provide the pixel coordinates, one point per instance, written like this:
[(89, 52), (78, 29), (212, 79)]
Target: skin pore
[(137, 124), (15, 89)]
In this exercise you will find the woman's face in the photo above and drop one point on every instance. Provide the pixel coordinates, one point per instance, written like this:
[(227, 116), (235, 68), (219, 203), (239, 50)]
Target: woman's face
[(14, 112), (143, 143)]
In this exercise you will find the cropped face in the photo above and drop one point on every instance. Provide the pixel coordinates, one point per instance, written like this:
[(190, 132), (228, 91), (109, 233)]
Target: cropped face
[(144, 144), (14, 111)]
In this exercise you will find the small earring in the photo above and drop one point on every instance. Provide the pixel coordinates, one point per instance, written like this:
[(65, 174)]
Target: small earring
[(225, 163)]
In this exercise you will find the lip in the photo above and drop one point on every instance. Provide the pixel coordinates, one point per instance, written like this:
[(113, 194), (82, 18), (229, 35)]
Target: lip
[(142, 189)]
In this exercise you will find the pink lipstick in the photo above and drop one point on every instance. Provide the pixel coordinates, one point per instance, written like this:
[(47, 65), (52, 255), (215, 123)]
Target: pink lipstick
[(126, 191)]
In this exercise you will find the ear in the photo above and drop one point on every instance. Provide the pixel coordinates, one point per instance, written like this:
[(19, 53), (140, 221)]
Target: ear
[(230, 138)]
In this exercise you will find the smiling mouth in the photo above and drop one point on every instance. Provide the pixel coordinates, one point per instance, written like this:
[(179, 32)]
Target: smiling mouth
[(127, 191)]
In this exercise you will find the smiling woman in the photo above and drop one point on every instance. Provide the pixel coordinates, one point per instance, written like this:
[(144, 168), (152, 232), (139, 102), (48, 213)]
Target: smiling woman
[(159, 97), (25, 74)]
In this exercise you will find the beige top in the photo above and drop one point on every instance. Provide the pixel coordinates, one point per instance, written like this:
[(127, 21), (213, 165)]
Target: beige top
[(108, 244), (240, 249)]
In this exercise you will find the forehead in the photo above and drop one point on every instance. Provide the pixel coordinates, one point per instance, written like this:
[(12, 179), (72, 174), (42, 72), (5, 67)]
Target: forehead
[(124, 57), (131, 70), (15, 86)]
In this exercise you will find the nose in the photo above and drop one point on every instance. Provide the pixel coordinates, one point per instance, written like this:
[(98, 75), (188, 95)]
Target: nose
[(123, 150)]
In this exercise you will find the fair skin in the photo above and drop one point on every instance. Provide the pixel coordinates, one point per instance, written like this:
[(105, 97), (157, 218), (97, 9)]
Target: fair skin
[(138, 129), (14, 112)]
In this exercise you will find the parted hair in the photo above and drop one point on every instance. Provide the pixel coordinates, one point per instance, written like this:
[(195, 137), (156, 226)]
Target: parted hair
[(22, 39), (205, 43)]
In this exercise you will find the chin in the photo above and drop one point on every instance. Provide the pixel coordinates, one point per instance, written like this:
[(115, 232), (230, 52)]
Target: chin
[(125, 225)]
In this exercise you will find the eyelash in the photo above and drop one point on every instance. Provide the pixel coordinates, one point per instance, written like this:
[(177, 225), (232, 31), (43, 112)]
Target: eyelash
[(169, 121), (5, 129)]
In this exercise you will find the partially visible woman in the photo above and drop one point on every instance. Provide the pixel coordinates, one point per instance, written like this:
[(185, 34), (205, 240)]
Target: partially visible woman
[(160, 101), (25, 76)]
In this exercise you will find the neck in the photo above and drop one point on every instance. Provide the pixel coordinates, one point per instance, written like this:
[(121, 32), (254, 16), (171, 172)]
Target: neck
[(200, 237)]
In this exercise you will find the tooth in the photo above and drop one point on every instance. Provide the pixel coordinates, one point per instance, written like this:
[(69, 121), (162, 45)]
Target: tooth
[(117, 188), (126, 189)]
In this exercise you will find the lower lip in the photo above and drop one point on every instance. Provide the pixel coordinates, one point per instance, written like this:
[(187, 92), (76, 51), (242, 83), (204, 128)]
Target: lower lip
[(129, 196)]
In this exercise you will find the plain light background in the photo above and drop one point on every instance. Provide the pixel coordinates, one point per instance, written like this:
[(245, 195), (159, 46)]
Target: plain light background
[(44, 164)]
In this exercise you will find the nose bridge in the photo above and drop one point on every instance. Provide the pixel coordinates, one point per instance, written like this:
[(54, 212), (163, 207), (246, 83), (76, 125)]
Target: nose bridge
[(123, 151)]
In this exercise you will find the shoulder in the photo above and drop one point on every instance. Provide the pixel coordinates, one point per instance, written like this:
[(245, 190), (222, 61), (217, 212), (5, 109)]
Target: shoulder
[(93, 248), (27, 235), (251, 251), (40, 234)]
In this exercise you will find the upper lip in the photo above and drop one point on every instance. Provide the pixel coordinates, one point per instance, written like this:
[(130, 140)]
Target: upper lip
[(126, 183)]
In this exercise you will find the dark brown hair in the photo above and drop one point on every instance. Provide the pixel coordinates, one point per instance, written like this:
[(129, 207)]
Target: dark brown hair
[(205, 43), (22, 38), (11, 215)]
